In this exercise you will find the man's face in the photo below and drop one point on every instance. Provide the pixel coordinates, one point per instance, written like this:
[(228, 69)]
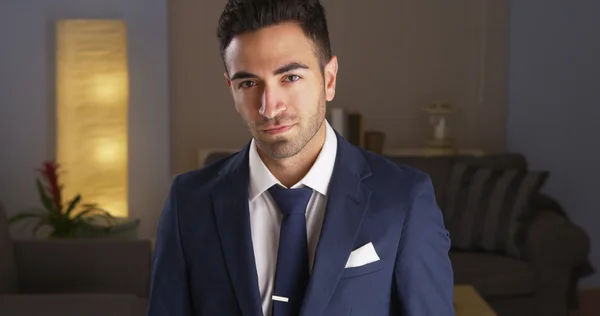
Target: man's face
[(278, 87)]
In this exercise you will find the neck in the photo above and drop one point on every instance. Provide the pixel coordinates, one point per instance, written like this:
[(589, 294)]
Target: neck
[(292, 169)]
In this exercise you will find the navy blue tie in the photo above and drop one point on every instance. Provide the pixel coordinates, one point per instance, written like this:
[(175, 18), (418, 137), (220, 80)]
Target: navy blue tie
[(292, 273)]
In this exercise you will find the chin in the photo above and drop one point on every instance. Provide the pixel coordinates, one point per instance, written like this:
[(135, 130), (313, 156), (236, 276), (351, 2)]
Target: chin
[(280, 148)]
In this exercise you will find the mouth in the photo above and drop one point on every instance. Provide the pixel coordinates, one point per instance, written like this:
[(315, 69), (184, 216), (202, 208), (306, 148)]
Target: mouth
[(278, 129)]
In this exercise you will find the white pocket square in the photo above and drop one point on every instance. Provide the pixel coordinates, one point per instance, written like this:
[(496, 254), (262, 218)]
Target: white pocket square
[(361, 256)]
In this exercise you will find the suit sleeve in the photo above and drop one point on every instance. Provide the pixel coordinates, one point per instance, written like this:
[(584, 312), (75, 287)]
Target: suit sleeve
[(169, 293), (424, 279)]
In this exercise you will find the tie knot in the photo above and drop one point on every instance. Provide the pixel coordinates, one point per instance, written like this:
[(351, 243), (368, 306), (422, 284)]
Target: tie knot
[(291, 201)]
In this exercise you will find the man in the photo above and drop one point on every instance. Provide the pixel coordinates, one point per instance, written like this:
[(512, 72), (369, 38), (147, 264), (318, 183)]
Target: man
[(299, 222)]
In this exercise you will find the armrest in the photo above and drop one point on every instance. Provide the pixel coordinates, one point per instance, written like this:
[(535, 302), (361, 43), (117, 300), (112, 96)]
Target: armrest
[(554, 242), (554, 247), (84, 266)]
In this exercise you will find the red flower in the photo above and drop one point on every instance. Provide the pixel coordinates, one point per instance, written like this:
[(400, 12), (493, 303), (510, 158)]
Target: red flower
[(50, 175)]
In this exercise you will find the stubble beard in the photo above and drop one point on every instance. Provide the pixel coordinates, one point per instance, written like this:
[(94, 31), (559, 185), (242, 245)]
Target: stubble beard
[(284, 147)]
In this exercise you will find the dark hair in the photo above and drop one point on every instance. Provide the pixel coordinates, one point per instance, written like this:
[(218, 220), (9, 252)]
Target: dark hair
[(241, 16)]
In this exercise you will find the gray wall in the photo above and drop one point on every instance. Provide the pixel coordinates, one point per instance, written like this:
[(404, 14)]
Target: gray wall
[(27, 97), (554, 107), (394, 57)]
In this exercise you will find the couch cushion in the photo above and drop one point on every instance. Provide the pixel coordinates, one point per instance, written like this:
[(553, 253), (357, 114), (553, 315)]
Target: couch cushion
[(72, 305), (84, 266), (8, 270), (487, 208), (493, 275)]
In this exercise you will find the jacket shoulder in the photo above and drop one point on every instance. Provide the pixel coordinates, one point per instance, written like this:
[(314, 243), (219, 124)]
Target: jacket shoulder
[(202, 178), (384, 168)]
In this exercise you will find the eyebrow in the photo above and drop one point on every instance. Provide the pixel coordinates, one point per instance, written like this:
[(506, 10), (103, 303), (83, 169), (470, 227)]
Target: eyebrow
[(283, 69)]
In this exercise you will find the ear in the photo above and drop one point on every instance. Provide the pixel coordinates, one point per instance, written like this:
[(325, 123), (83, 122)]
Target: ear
[(230, 89), (227, 79), (330, 74)]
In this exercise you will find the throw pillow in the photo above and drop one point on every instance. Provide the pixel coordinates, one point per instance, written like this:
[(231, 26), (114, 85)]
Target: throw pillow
[(486, 209)]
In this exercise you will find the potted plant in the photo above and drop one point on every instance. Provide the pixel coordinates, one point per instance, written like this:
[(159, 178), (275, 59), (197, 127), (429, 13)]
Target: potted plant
[(65, 219)]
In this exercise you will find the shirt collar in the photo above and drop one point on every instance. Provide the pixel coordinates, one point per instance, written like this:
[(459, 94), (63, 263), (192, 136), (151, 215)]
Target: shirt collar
[(317, 178)]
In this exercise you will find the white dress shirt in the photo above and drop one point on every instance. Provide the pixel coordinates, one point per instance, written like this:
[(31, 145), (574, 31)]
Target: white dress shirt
[(265, 219)]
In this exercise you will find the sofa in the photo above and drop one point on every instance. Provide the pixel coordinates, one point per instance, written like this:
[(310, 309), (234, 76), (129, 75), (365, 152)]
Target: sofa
[(553, 251), (73, 277)]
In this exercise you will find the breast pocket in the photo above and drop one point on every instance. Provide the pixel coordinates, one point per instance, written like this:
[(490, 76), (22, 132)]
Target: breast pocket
[(362, 270)]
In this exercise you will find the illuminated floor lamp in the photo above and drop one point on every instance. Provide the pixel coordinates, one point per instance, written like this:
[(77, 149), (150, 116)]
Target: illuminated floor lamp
[(92, 111)]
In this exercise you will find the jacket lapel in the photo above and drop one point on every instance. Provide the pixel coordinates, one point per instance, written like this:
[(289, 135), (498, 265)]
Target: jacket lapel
[(230, 197), (347, 202)]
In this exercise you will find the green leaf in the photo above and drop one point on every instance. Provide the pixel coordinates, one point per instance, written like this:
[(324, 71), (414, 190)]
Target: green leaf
[(103, 214), (72, 205), (92, 210), (108, 219), (45, 199), (63, 227), (55, 221)]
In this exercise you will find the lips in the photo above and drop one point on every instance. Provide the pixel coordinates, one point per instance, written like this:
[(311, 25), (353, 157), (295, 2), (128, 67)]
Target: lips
[(278, 129)]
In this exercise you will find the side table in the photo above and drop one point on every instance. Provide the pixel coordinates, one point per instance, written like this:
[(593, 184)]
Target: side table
[(467, 302)]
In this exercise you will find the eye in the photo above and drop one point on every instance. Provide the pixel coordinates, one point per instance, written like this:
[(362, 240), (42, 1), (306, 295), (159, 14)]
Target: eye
[(292, 78), (247, 84)]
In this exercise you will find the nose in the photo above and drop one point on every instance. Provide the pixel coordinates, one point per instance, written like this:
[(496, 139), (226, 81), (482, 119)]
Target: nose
[(271, 103)]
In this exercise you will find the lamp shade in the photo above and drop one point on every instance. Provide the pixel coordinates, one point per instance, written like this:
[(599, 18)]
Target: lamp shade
[(92, 111)]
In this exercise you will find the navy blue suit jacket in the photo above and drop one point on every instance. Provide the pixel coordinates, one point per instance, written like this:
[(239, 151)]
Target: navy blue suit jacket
[(204, 262)]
